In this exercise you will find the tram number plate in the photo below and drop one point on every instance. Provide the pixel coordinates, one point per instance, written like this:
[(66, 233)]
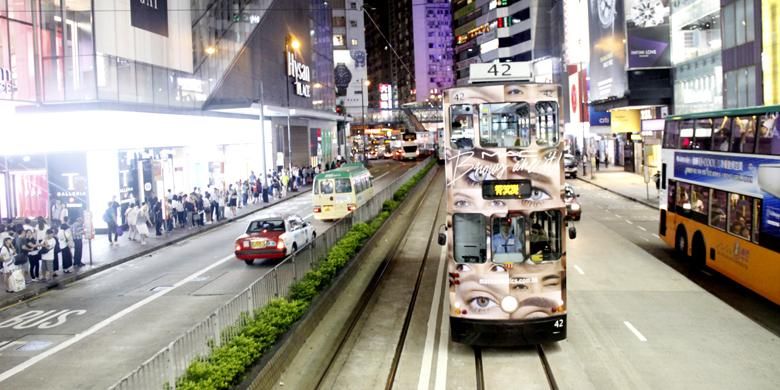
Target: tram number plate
[(559, 324)]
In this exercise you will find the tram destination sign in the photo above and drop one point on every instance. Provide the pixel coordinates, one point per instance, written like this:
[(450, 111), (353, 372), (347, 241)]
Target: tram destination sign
[(500, 71), (506, 189)]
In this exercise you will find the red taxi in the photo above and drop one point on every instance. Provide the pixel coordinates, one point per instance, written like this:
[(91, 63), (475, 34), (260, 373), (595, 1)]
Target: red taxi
[(273, 238)]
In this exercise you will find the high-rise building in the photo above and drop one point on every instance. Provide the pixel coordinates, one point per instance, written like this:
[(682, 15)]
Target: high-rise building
[(503, 30), (402, 40), (433, 55), (741, 44)]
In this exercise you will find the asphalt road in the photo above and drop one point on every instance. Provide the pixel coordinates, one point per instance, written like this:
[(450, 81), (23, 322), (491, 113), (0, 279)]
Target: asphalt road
[(91, 333)]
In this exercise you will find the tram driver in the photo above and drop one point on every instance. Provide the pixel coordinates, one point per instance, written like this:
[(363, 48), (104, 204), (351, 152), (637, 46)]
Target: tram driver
[(505, 241)]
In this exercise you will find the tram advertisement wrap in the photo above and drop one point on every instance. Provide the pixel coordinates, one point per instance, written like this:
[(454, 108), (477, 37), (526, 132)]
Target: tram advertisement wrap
[(754, 176), (506, 256)]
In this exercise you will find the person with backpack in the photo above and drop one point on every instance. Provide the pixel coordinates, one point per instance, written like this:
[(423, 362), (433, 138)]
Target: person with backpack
[(109, 217)]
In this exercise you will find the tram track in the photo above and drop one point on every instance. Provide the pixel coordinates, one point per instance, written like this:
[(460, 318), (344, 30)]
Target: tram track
[(479, 365), (390, 264)]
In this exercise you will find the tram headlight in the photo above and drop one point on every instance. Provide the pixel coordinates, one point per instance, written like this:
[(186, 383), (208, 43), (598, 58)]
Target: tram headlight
[(509, 304)]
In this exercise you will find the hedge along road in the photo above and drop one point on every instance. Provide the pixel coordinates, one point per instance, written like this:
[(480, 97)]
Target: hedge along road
[(95, 331)]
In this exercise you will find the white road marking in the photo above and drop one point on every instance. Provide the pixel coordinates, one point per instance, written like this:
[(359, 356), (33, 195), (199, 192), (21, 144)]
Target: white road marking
[(108, 321), (656, 236), (646, 239), (705, 272), (430, 333), (381, 176), (629, 222), (440, 383), (308, 216), (641, 228), (635, 331), (579, 269), (618, 215)]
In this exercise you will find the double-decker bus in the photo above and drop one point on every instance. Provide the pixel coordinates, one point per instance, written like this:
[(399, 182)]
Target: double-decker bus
[(341, 191), (504, 235), (720, 187)]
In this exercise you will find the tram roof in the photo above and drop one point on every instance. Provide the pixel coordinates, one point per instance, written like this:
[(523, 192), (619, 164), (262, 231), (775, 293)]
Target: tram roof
[(727, 112)]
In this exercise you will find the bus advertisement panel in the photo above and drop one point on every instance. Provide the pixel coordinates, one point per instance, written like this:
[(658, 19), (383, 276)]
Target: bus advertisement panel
[(505, 214), (755, 176)]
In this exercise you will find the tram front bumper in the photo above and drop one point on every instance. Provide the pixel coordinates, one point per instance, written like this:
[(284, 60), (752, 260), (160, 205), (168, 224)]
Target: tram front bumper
[(507, 333)]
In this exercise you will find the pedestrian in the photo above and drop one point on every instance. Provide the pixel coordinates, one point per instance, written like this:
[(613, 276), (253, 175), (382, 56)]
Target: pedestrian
[(7, 258), (158, 216), (189, 209), (78, 241), (598, 162), (131, 216), (168, 212), (606, 161), (24, 244), (65, 238), (34, 256), (58, 212), (141, 223), (48, 256), (233, 201), (285, 183), (109, 217)]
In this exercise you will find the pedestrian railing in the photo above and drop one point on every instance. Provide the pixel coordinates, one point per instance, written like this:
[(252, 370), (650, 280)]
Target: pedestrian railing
[(162, 369)]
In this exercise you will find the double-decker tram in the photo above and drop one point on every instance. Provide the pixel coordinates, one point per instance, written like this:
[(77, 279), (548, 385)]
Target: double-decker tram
[(720, 193), (506, 217)]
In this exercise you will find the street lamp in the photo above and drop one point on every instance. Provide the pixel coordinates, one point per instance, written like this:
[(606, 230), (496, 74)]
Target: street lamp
[(365, 83), (289, 42)]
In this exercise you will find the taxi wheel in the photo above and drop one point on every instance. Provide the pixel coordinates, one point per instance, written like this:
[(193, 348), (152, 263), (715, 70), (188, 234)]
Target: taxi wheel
[(294, 248), (249, 262)]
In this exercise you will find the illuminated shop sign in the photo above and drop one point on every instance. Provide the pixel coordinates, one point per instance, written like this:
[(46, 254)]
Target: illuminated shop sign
[(473, 33), (300, 74), (385, 96), (7, 82)]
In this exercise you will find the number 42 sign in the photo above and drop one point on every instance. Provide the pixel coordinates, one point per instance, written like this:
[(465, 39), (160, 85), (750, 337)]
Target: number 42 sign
[(500, 71)]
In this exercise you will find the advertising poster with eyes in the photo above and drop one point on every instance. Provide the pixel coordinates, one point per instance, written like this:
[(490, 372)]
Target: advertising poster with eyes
[(505, 210)]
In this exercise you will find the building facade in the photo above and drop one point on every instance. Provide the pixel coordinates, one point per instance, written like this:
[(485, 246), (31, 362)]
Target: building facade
[(433, 55), (142, 100), (349, 57)]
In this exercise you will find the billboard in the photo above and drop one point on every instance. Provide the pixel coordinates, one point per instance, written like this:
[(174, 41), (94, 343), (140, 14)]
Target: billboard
[(608, 49), (647, 26), (575, 101), (150, 15)]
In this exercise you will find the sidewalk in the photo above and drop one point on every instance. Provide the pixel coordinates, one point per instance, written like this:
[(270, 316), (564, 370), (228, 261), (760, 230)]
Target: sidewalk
[(626, 184), (105, 256)]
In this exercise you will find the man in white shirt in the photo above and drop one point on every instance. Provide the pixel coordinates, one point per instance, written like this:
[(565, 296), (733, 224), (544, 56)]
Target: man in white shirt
[(48, 257), (505, 241)]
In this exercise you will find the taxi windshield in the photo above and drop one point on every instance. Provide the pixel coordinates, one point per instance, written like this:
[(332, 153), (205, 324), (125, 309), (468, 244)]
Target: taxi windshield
[(271, 225)]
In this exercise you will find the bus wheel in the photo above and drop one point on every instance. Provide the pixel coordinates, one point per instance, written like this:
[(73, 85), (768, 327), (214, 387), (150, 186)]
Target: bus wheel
[(681, 242), (699, 251)]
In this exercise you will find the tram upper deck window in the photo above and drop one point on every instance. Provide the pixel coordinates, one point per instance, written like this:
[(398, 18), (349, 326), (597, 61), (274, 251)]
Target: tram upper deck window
[(462, 129), (505, 125), (469, 238), (547, 123)]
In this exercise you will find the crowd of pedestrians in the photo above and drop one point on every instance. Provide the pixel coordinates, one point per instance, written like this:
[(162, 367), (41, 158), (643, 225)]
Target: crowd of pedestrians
[(37, 250)]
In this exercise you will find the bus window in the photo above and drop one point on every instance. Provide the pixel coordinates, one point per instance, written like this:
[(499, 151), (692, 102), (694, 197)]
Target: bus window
[(547, 123), (508, 239), (686, 134), (545, 238), (469, 238), (743, 139), (740, 215), (683, 196), (703, 135), (769, 134), (700, 200), (343, 186), (501, 125), (670, 201), (722, 134), (462, 126), (316, 187), (718, 209), (326, 186), (671, 135)]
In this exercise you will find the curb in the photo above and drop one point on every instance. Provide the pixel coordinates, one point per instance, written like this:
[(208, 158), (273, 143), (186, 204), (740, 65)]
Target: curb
[(4, 304), (631, 198)]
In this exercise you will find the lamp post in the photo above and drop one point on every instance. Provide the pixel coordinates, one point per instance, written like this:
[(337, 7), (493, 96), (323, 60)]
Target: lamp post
[(363, 83), (289, 42)]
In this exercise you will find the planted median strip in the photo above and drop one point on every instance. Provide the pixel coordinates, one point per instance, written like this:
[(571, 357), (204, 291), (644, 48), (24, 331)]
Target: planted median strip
[(225, 365)]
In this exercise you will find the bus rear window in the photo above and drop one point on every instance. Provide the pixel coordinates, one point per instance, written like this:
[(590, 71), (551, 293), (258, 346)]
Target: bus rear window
[(326, 186), (343, 186)]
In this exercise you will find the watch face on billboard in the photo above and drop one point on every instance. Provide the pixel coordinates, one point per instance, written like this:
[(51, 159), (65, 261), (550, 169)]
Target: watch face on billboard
[(150, 15)]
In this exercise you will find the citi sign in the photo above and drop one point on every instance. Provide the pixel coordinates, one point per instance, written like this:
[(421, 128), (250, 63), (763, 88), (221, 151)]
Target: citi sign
[(301, 75)]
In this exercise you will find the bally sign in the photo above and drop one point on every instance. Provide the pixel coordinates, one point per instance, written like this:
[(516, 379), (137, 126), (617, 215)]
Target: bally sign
[(7, 82), (300, 74), (150, 15)]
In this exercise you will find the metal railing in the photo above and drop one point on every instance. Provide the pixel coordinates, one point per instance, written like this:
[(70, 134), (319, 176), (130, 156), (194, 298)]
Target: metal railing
[(162, 369)]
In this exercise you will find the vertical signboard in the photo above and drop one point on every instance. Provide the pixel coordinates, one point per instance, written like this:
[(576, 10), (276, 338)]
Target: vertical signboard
[(770, 15), (385, 96), (647, 26), (608, 49), (150, 15), (575, 102), (68, 180)]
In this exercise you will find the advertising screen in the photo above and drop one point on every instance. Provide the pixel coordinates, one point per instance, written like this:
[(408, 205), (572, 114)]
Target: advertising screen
[(608, 49), (647, 26)]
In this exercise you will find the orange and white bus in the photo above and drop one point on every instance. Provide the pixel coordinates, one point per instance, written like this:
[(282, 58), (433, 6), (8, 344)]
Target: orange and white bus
[(720, 193)]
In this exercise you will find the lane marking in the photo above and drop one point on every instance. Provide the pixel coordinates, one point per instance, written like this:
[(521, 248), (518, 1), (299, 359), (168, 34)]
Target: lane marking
[(108, 321), (635, 331), (656, 236), (618, 215), (579, 269), (444, 346), (430, 332), (629, 222), (308, 216), (646, 239), (381, 176), (641, 228)]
